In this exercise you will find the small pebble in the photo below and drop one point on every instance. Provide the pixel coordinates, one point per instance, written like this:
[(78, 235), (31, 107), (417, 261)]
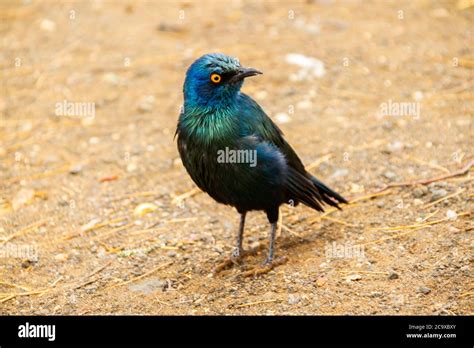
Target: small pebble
[(418, 95), (282, 118), (111, 78), (390, 175), (94, 140), (451, 215), (22, 198), (424, 290), (131, 167), (388, 125), (61, 257), (48, 25), (149, 286), (255, 244), (395, 146), (353, 277), (144, 208), (437, 194), (375, 294), (392, 275), (218, 249), (309, 66), (146, 103), (417, 202), (340, 173), (320, 282), (294, 299), (304, 105), (28, 263), (76, 169), (453, 229), (418, 192)]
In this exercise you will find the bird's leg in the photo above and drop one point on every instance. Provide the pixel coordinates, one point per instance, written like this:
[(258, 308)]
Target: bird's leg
[(238, 251), (270, 262), (271, 248)]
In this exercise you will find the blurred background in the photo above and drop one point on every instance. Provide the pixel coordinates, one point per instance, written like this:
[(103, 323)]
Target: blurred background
[(98, 216)]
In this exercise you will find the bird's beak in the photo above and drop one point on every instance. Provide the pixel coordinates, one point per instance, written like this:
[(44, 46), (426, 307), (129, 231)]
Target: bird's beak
[(242, 73)]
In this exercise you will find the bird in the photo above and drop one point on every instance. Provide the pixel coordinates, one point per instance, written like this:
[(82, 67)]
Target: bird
[(261, 171)]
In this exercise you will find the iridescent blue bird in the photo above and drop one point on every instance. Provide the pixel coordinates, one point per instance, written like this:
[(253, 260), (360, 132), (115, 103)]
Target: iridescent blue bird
[(217, 116)]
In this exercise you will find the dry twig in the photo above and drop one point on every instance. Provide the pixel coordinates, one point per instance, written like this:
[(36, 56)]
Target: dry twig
[(462, 171)]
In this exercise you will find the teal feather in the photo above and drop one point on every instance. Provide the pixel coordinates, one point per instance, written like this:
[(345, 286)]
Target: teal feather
[(219, 116)]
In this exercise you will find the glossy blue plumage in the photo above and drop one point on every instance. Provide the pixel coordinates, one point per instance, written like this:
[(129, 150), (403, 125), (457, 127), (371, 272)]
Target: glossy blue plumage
[(217, 116)]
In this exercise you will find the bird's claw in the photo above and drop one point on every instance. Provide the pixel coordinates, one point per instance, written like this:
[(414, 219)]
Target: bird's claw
[(266, 267), (233, 259)]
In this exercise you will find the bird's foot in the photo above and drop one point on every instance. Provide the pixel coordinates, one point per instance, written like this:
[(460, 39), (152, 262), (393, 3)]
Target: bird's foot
[(235, 258), (266, 267)]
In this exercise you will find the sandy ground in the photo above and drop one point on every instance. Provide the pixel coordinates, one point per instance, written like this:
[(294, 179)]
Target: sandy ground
[(72, 240)]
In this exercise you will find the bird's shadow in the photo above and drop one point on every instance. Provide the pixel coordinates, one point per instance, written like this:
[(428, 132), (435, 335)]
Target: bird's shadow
[(254, 256)]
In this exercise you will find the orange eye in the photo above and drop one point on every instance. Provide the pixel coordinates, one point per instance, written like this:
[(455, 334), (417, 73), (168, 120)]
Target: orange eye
[(216, 78)]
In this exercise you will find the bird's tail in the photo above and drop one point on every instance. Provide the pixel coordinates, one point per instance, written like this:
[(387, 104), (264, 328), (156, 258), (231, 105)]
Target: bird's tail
[(308, 190), (327, 195)]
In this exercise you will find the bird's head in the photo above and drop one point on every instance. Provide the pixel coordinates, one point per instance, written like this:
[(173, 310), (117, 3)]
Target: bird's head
[(214, 80)]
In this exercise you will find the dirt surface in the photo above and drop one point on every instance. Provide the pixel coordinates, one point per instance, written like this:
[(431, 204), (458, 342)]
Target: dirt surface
[(75, 238)]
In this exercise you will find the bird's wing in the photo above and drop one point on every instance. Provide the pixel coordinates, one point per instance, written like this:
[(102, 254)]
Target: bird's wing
[(272, 169), (300, 182), (258, 123)]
